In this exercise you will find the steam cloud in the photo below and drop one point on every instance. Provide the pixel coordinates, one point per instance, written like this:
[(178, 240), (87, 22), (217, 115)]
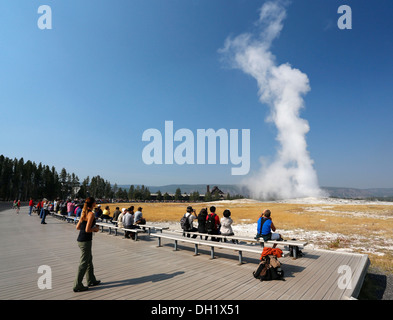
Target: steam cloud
[(291, 174)]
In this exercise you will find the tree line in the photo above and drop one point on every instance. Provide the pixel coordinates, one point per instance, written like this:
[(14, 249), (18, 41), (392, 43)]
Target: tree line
[(20, 180)]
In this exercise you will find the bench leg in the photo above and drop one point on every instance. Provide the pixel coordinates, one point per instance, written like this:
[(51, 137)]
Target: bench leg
[(294, 253), (136, 236), (240, 257), (196, 250), (159, 242), (211, 252), (175, 245)]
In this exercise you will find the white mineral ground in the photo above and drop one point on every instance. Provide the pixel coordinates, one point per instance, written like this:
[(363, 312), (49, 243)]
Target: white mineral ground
[(316, 239)]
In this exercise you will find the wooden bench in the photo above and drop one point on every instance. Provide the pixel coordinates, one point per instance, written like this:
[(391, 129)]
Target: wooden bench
[(55, 214), (151, 227), (294, 243), (60, 216), (217, 236), (65, 217), (212, 244), (73, 219), (112, 226)]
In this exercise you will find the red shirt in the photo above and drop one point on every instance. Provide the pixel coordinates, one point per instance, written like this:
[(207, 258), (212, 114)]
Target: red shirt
[(216, 219), (31, 203)]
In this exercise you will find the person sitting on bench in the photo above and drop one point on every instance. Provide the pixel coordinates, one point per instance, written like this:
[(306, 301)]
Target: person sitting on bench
[(191, 216), (128, 222), (226, 225), (266, 226)]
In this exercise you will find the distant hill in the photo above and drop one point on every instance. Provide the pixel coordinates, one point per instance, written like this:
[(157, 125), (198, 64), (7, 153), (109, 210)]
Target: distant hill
[(354, 193), (334, 192)]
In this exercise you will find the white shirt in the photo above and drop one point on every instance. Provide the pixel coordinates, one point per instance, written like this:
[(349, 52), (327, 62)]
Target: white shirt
[(191, 218)]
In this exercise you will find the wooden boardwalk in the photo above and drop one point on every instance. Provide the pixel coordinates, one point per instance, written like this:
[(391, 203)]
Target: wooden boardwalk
[(139, 270)]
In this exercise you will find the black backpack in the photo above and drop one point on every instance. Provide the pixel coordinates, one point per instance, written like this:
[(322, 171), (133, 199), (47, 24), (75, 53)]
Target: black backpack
[(295, 249), (211, 223), (185, 223), (267, 272)]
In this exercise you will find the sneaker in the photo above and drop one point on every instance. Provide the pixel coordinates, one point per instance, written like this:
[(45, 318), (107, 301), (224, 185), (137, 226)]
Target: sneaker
[(95, 283)]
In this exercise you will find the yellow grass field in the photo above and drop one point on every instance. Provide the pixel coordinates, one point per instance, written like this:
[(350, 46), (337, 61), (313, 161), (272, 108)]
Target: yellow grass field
[(363, 228)]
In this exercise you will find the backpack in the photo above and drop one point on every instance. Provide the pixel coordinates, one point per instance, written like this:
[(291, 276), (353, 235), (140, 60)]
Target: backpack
[(185, 223), (262, 223), (295, 249), (211, 223), (269, 269)]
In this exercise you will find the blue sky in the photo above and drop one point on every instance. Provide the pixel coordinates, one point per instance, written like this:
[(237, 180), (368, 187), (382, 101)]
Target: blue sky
[(80, 95)]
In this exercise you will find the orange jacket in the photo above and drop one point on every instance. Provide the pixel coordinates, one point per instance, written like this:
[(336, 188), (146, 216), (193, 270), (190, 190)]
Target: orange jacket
[(271, 251)]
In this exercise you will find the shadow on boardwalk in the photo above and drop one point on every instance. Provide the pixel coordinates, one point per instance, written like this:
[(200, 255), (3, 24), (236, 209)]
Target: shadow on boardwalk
[(144, 279)]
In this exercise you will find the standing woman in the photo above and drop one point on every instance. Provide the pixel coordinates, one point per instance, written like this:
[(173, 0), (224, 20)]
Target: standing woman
[(86, 227)]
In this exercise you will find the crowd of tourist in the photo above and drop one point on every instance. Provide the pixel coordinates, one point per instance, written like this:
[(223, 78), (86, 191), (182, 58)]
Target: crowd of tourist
[(208, 220), (210, 223)]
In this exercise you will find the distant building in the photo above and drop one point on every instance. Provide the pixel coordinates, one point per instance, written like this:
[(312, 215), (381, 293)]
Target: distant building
[(216, 191)]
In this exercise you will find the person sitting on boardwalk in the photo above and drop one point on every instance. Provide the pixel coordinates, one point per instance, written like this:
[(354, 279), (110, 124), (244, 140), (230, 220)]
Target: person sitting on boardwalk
[(86, 227), (266, 226)]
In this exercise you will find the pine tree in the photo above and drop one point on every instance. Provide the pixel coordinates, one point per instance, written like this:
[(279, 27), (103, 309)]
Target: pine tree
[(131, 193), (178, 195)]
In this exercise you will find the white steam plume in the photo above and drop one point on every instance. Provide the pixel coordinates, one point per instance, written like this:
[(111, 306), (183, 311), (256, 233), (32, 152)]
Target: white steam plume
[(281, 87)]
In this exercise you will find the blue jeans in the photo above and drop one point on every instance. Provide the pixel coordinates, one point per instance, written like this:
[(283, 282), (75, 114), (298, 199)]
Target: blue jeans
[(43, 215), (30, 210)]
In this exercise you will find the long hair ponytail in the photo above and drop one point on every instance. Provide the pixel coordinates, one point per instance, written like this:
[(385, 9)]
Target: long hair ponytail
[(88, 206)]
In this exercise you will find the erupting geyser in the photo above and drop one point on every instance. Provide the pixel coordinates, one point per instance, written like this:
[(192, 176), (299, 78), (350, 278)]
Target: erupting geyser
[(281, 87)]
